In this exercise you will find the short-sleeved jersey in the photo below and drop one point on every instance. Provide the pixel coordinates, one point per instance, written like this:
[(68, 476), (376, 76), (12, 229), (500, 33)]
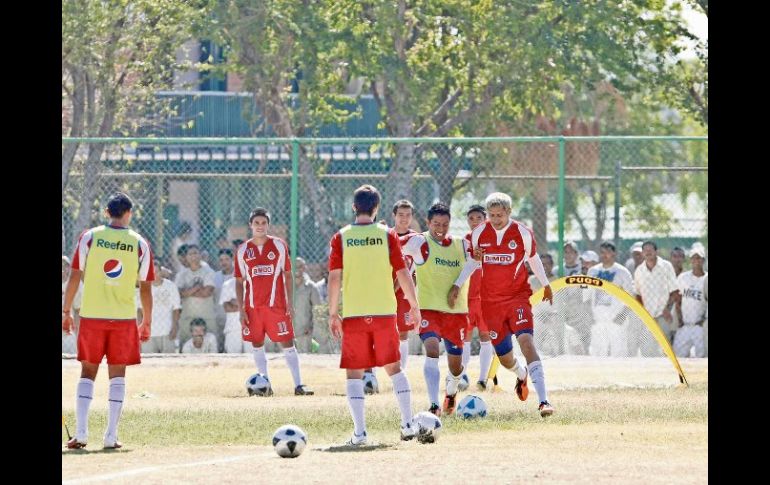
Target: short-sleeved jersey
[(474, 290), (113, 259), (371, 254), (438, 266), (262, 268), (694, 302), (504, 276)]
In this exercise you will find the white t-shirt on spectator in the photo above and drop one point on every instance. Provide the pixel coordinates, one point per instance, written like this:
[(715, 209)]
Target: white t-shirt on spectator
[(694, 303), (165, 299), (603, 302), (209, 345), (655, 285), (193, 305)]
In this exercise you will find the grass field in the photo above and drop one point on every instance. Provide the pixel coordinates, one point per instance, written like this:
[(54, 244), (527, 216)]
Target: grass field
[(188, 419)]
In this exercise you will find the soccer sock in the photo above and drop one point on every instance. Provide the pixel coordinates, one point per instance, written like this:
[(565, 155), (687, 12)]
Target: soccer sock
[(404, 395), (83, 397), (356, 405), (519, 369), (538, 379), (261, 360), (116, 397), (486, 352), (453, 382), (467, 356), (404, 348), (292, 360), (432, 377)]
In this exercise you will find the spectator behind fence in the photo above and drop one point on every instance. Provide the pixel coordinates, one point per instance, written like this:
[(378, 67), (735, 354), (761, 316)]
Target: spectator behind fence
[(609, 335), (166, 308), (576, 312), (305, 298), (196, 287), (636, 257), (226, 271), (550, 331), (677, 257), (587, 260), (201, 341), (69, 343), (656, 289), (706, 322), (184, 237), (234, 343), (693, 308), (572, 264)]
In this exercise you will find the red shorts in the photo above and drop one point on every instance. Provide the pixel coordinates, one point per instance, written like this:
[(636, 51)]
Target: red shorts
[(449, 326), (369, 342), (505, 318), (475, 317), (402, 315), (117, 339), (275, 322)]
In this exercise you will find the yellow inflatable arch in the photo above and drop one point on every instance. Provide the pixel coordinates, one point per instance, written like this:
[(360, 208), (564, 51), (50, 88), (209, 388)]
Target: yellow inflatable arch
[(620, 294)]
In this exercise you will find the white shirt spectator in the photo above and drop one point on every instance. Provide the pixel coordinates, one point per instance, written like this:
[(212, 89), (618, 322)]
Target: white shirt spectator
[(209, 345), (165, 299), (655, 285), (193, 305), (694, 303), (616, 274)]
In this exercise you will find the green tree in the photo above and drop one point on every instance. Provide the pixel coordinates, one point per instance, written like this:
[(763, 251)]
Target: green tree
[(115, 56)]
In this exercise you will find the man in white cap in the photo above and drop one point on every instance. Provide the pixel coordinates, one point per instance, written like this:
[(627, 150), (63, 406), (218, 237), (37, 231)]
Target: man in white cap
[(587, 260), (692, 312), (636, 257), (571, 261)]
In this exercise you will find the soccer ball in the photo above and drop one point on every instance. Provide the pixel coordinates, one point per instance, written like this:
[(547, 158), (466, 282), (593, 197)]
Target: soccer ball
[(427, 425), (289, 441), (472, 407), (370, 383), (462, 385), (258, 385)]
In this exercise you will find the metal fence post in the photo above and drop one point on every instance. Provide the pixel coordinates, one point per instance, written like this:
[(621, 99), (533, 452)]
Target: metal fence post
[(294, 219), (617, 204), (562, 170)]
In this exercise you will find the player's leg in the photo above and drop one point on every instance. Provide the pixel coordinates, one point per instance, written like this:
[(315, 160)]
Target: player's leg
[(386, 348), (520, 323), (403, 324), (122, 350), (430, 369), (256, 335), (116, 396), (486, 350), (357, 354), (466, 357), (453, 332), (92, 347), (278, 326)]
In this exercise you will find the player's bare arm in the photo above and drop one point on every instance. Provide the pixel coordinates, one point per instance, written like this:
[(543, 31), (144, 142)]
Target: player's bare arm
[(145, 296), (67, 322), (335, 322), (405, 280)]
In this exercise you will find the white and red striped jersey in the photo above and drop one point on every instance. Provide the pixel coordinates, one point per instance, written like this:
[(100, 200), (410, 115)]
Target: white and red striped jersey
[(504, 276), (262, 268), (403, 238)]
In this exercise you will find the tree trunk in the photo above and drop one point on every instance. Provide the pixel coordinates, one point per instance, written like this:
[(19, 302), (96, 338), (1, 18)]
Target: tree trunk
[(89, 195), (76, 125), (540, 213)]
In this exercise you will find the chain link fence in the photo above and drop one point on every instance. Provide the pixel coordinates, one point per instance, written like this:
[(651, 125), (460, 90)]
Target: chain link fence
[(581, 189)]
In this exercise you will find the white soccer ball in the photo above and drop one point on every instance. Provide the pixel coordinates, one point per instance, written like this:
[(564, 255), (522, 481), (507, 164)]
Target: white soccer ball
[(258, 385), (472, 407), (462, 385), (427, 425), (289, 441), (370, 383)]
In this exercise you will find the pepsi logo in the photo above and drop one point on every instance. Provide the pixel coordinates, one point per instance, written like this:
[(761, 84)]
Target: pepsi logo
[(113, 268)]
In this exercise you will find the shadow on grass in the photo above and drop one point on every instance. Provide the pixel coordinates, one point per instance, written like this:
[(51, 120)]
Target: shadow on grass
[(83, 451), (355, 449)]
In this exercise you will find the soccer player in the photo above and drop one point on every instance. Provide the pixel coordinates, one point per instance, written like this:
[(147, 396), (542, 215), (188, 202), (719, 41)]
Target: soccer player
[(363, 256), (403, 212), (264, 263), (477, 215), (114, 258), (504, 244), (443, 267)]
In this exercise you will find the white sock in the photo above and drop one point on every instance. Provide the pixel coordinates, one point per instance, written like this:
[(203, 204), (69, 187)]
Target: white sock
[(404, 395), (466, 354), (261, 360), (116, 396), (292, 360), (538, 379), (83, 397), (356, 405), (453, 382), (432, 378), (519, 369), (486, 353), (404, 348)]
